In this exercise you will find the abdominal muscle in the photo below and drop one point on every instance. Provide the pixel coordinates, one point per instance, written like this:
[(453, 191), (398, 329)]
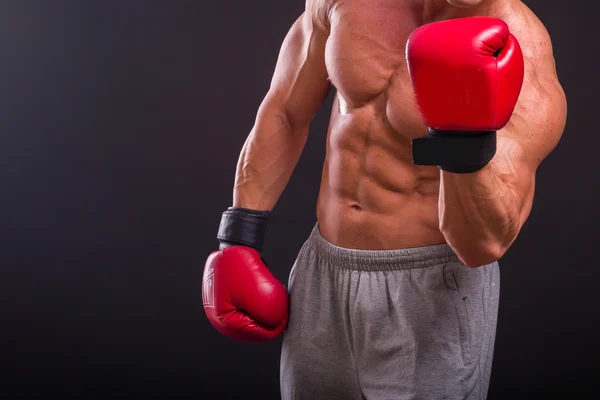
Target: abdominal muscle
[(372, 197)]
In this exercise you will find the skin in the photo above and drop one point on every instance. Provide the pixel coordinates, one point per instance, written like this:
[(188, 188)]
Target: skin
[(371, 195)]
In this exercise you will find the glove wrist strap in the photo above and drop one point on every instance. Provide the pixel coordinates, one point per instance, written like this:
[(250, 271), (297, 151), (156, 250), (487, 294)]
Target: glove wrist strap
[(455, 151), (243, 226)]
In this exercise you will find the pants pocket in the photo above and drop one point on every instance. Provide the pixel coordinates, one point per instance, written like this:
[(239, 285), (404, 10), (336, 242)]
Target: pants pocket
[(461, 311)]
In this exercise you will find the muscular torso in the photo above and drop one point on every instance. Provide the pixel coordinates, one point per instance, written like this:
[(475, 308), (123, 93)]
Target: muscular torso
[(371, 195)]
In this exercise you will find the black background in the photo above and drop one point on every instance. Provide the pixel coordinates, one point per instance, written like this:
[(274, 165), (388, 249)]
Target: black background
[(120, 127)]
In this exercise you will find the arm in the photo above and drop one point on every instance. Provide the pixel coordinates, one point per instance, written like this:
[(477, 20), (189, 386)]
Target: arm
[(482, 213), (298, 89), (241, 297)]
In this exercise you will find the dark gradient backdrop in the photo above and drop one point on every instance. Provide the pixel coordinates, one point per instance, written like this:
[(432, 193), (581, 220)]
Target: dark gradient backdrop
[(120, 126)]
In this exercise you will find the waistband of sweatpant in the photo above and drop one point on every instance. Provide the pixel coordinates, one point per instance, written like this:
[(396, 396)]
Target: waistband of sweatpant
[(380, 260)]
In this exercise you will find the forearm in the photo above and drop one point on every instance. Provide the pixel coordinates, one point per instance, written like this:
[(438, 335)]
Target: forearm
[(479, 215), (267, 160)]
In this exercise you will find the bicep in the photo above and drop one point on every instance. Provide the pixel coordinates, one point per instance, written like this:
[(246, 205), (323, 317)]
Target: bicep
[(540, 115), (300, 82), (539, 119), (533, 132)]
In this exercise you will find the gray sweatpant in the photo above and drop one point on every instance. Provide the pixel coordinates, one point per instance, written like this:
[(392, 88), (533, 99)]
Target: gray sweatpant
[(396, 324)]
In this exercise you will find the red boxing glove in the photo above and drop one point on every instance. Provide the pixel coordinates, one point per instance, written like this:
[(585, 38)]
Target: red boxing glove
[(467, 74), (241, 298)]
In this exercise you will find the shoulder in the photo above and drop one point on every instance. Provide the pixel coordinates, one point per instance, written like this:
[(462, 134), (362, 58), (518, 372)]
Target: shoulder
[(531, 33), (536, 45)]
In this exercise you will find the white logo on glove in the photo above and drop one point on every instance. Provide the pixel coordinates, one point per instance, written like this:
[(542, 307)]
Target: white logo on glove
[(208, 291)]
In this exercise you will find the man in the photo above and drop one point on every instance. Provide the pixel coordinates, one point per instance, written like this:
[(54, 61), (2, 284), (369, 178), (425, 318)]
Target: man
[(439, 122)]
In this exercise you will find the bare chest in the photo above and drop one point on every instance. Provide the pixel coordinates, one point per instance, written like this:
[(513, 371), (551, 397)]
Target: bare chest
[(365, 56)]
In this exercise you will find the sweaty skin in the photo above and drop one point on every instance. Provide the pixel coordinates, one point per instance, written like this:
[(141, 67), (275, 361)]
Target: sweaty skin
[(371, 195)]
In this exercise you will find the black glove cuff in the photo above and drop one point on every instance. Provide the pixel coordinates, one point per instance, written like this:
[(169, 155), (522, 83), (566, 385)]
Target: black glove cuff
[(455, 151), (242, 226)]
